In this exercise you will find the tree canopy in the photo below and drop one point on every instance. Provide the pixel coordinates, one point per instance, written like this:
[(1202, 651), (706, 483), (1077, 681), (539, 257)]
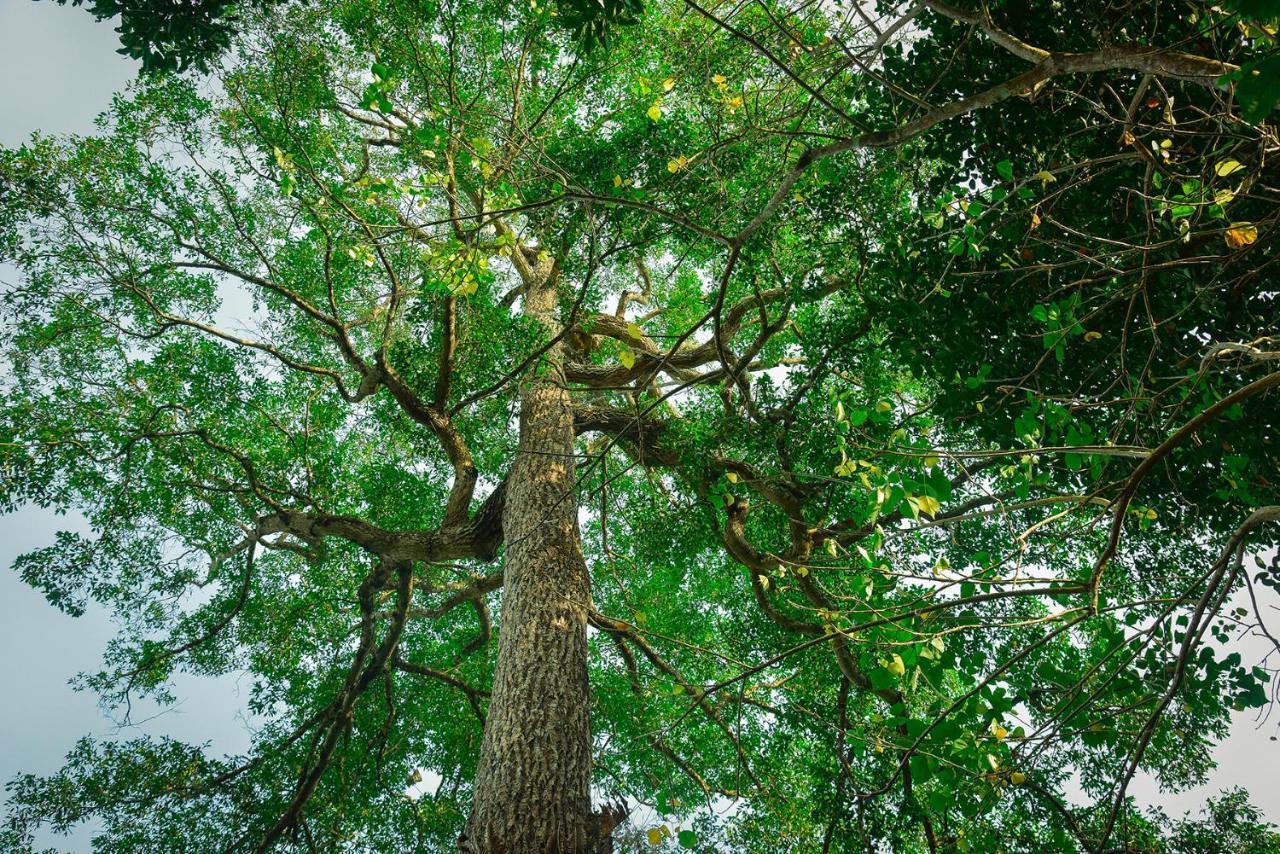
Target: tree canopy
[(905, 373)]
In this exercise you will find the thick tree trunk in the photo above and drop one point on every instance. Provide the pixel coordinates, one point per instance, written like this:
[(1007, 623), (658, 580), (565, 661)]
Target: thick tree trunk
[(532, 791)]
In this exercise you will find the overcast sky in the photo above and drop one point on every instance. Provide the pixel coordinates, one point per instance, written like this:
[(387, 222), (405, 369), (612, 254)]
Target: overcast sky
[(58, 70)]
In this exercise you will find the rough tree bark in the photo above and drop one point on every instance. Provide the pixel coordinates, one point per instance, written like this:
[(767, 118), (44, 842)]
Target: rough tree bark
[(532, 790)]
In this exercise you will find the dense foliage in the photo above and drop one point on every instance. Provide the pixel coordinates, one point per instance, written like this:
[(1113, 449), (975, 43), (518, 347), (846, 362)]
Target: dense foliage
[(925, 386)]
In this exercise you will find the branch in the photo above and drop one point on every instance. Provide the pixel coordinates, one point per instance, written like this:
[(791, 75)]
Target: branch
[(477, 537), (1131, 487), (982, 20), (473, 694)]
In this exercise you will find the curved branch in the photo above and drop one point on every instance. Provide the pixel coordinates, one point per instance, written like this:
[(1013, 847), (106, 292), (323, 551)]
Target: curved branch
[(472, 693), (1121, 503), (477, 537)]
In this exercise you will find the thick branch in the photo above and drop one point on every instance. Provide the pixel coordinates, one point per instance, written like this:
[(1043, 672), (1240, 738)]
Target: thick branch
[(477, 537)]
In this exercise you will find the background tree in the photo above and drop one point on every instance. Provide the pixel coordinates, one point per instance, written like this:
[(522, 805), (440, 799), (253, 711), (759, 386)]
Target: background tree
[(174, 35), (171, 35), (871, 412)]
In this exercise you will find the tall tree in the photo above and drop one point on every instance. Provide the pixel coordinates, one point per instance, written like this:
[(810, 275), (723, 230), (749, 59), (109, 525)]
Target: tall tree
[(872, 414)]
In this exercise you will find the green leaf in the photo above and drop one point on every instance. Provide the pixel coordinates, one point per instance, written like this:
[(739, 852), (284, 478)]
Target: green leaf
[(1257, 88)]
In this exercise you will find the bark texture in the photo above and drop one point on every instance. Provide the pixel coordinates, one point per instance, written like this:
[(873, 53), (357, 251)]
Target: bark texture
[(532, 791)]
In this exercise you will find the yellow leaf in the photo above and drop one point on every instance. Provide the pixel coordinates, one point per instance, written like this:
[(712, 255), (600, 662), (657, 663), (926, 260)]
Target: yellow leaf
[(831, 547), (929, 505), (735, 102), (1045, 177), (1224, 196), (931, 460), (628, 358), (1227, 167), (617, 180), (1092, 335), (668, 84), (654, 836), (896, 666), (1017, 778), (635, 331), (732, 476), (764, 582), (1035, 220), (998, 731), (1240, 235), (655, 111), (718, 79), (884, 406)]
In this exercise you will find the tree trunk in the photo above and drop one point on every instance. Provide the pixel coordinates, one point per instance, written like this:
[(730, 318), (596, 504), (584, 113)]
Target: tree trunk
[(532, 790)]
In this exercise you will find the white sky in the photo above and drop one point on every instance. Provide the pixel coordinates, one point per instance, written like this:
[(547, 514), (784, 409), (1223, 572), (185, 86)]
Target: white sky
[(58, 69)]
